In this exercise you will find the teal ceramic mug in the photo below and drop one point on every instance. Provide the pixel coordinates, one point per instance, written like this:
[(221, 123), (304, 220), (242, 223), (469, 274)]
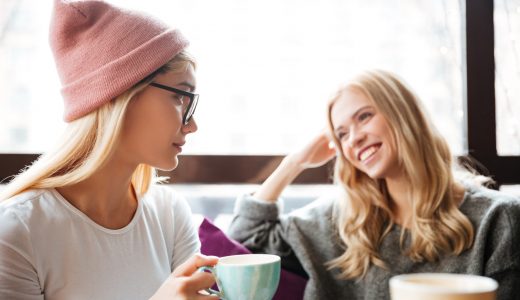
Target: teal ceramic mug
[(247, 276)]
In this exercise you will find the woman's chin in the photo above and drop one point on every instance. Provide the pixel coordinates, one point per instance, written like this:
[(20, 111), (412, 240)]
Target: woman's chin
[(374, 174), (170, 166)]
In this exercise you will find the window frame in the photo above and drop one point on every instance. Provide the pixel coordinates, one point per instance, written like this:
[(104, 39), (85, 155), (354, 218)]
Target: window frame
[(480, 95), (480, 114)]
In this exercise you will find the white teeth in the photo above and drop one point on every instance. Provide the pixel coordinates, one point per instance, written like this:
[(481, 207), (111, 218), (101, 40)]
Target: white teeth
[(368, 152)]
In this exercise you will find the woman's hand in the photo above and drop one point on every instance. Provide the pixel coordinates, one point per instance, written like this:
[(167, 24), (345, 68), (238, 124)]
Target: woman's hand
[(315, 154), (185, 282)]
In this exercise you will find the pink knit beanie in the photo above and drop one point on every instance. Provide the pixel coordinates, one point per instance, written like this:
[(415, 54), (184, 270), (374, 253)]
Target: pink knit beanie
[(101, 51)]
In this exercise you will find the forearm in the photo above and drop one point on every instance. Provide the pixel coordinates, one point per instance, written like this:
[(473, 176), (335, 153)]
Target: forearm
[(284, 174), (259, 226)]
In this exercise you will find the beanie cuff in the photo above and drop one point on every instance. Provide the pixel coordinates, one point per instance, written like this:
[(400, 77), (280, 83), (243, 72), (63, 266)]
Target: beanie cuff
[(118, 76)]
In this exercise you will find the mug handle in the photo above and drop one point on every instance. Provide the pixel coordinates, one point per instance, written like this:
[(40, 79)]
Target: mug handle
[(210, 290)]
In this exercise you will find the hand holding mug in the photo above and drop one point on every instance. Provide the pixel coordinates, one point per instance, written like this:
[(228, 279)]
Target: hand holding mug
[(247, 276), (185, 282)]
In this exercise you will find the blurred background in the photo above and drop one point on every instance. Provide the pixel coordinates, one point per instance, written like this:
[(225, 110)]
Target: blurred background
[(267, 68)]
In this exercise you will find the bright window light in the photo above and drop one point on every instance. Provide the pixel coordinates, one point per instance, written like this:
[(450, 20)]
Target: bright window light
[(266, 68)]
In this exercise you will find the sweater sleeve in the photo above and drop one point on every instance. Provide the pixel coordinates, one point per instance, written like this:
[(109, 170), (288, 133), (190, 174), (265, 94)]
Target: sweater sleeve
[(260, 227), (503, 258)]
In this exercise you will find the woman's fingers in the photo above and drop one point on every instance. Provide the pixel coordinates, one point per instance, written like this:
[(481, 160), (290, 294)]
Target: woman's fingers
[(192, 264), (205, 297), (185, 282), (200, 281)]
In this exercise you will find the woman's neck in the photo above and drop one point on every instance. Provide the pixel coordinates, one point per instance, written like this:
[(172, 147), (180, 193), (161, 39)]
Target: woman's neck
[(400, 203), (107, 197)]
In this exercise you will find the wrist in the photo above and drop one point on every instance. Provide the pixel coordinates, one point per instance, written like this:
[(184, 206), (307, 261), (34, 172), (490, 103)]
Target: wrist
[(290, 168), (292, 164)]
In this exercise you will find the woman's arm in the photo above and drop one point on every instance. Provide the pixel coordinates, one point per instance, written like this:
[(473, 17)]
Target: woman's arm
[(316, 153), (257, 223), (18, 277)]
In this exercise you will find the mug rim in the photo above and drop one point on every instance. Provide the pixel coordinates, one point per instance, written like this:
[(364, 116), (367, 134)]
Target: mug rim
[(273, 259), (484, 284)]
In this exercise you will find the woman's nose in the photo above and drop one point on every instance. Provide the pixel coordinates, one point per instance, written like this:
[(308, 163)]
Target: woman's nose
[(355, 136), (191, 127)]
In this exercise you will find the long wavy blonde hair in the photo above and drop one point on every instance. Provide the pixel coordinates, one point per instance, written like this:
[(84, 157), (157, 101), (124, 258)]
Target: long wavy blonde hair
[(364, 216), (88, 142)]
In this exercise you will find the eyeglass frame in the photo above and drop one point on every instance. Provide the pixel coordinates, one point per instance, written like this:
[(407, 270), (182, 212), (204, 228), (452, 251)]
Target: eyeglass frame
[(194, 100)]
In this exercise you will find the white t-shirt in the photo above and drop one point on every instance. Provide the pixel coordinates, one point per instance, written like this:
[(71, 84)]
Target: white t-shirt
[(51, 250)]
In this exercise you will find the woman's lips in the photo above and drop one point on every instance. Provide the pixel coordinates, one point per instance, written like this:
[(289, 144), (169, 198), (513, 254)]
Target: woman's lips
[(178, 146), (368, 152)]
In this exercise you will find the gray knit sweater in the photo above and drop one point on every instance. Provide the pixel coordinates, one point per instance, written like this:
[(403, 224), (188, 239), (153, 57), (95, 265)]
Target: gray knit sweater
[(306, 240)]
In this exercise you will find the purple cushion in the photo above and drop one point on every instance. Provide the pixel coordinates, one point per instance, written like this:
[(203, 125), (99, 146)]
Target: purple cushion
[(215, 242)]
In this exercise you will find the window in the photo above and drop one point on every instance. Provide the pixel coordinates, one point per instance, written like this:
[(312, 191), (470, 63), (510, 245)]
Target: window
[(507, 87), (480, 87), (265, 72), (30, 101), (270, 66)]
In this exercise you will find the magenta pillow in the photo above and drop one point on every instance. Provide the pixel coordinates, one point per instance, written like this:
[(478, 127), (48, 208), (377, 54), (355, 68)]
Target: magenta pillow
[(215, 242)]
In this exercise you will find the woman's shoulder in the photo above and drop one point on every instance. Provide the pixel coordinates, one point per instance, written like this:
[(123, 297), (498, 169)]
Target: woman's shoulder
[(22, 212), (496, 216), (480, 195), (27, 203), (484, 204), (163, 196)]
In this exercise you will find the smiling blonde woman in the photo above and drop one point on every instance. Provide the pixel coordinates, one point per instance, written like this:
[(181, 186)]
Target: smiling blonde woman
[(399, 208)]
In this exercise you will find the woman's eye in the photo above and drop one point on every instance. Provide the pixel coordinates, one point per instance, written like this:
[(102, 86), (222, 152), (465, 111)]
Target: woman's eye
[(365, 116), (179, 98), (342, 136)]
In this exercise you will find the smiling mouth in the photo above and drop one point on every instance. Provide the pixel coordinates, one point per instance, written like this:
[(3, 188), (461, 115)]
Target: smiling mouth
[(368, 152)]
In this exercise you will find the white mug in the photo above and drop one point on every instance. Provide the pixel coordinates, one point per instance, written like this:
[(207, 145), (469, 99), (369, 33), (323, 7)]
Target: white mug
[(437, 286)]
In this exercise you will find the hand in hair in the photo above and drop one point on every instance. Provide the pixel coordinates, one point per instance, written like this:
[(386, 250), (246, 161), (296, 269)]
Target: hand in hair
[(316, 153), (185, 282)]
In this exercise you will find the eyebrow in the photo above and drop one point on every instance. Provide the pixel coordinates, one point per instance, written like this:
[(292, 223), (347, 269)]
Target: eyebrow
[(353, 116), (188, 85), (359, 110)]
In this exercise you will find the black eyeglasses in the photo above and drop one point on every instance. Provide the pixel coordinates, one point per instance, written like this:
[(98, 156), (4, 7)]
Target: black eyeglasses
[(190, 108)]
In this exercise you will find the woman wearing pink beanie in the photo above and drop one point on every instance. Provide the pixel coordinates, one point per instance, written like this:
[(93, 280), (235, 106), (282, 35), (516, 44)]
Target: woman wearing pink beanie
[(87, 220)]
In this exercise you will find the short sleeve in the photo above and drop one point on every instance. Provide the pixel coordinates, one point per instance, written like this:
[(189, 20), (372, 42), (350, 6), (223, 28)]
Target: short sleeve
[(18, 276)]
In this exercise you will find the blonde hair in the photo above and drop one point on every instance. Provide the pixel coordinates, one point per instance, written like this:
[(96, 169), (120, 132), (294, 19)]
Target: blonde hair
[(88, 142), (364, 216)]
